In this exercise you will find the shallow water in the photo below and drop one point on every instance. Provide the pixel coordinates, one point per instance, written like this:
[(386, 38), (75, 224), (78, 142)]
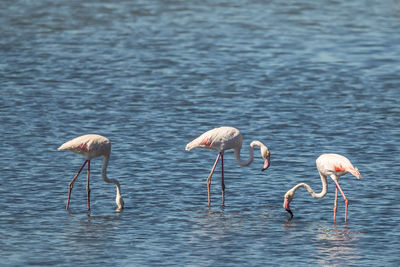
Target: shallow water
[(304, 78)]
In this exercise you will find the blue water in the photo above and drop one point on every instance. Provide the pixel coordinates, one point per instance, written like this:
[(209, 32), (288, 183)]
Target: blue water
[(303, 77)]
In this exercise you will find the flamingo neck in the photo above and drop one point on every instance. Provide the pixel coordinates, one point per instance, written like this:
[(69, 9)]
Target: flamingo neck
[(309, 189), (251, 153), (118, 199)]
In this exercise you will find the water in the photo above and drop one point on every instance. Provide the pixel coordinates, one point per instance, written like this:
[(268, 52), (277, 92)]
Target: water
[(303, 77)]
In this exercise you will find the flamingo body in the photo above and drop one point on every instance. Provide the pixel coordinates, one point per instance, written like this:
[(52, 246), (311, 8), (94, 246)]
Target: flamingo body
[(224, 138), (91, 146), (221, 139), (334, 166)]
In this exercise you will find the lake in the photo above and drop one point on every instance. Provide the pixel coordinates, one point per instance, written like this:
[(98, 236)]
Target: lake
[(303, 77)]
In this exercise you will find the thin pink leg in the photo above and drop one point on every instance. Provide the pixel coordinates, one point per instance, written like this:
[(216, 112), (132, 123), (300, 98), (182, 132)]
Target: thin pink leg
[(222, 184), (87, 186), (346, 201), (209, 179), (71, 184), (335, 205)]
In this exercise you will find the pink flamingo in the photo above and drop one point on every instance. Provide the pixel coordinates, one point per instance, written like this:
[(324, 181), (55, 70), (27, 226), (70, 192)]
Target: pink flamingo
[(332, 165), (91, 146), (222, 139)]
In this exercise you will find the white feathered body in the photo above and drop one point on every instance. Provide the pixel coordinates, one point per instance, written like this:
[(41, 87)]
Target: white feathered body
[(89, 145), (222, 138), (335, 165)]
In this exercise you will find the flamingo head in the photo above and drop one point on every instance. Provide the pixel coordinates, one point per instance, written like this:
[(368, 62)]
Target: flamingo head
[(355, 172), (266, 156), (120, 202), (288, 197)]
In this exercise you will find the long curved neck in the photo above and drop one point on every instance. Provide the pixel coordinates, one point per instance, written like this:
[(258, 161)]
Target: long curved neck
[(251, 154), (309, 189), (104, 175)]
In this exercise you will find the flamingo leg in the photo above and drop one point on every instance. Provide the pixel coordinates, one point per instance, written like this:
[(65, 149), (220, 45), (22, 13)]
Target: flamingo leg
[(71, 184), (222, 183), (335, 205), (87, 186), (209, 178), (346, 201)]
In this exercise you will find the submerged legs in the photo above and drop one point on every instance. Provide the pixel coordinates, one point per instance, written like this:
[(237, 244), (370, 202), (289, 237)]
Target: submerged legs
[(346, 201), (71, 184), (335, 206), (222, 180), (209, 178), (87, 186)]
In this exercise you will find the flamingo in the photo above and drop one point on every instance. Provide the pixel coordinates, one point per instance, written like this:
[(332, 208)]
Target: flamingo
[(91, 146), (224, 138), (334, 166)]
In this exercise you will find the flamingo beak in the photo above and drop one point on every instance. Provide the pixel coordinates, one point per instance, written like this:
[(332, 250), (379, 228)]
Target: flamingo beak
[(287, 208), (266, 164)]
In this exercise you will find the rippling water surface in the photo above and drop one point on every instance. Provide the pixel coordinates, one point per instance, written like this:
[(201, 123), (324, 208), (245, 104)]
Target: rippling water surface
[(304, 77)]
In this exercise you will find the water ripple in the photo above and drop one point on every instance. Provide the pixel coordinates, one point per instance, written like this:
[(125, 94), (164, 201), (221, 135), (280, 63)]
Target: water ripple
[(303, 78)]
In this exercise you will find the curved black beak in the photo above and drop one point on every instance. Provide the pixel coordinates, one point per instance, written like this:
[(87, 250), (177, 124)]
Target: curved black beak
[(286, 206), (267, 162), (291, 214)]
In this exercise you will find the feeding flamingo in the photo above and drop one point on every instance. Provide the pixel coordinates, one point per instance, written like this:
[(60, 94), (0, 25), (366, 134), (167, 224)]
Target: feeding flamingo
[(334, 166), (91, 146), (222, 139)]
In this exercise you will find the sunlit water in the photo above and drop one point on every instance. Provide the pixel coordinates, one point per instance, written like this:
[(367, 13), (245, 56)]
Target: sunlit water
[(304, 77)]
